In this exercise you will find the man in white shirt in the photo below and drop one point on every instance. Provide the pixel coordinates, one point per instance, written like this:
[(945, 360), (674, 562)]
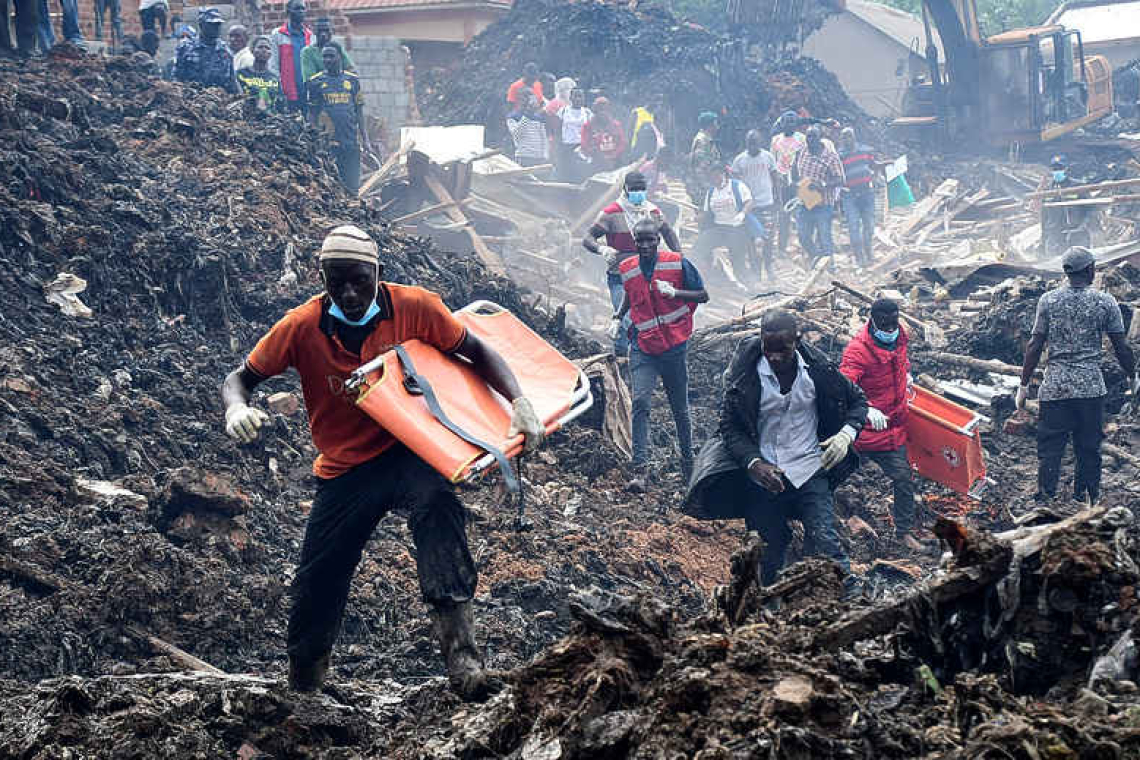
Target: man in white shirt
[(756, 168), (783, 445), (724, 224)]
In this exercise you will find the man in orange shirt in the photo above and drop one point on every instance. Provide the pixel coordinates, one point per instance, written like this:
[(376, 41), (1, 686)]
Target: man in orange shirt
[(529, 79), (362, 471)]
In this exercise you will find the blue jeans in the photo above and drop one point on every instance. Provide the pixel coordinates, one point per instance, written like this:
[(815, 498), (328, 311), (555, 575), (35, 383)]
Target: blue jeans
[(670, 367), (859, 208), (815, 230), (71, 33), (812, 505), (617, 293)]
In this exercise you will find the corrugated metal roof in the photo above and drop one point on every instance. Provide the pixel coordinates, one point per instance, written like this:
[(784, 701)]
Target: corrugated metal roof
[(413, 5), (904, 28), (1100, 22)]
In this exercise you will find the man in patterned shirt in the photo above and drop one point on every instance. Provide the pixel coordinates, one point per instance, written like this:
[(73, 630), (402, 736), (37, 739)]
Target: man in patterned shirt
[(1073, 319), (820, 165)]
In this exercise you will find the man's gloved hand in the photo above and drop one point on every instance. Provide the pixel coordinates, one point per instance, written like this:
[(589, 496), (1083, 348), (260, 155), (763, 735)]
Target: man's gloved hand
[(524, 420), (1134, 385), (614, 330), (244, 422), (611, 255), (664, 288), (1022, 394), (877, 420), (769, 476), (835, 449)]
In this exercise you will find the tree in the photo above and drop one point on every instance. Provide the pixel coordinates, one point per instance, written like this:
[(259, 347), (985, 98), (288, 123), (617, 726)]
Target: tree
[(997, 16)]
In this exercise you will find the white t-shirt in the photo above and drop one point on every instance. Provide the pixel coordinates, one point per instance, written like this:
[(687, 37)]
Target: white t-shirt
[(722, 203), (756, 172), (573, 119), (243, 59)]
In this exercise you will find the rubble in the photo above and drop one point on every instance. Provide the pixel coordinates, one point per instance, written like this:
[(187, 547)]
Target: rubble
[(627, 55), (145, 558)]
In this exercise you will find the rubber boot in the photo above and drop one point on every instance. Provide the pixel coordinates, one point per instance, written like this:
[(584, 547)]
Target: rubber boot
[(453, 628), (308, 676)]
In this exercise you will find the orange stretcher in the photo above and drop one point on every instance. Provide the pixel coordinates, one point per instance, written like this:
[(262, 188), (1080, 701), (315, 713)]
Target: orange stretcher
[(943, 443), (400, 387)]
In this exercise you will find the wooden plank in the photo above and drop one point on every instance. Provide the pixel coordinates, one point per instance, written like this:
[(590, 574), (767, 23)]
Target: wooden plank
[(1107, 200), (924, 208), (1085, 188), (489, 258), (427, 211), (519, 170), (389, 165)]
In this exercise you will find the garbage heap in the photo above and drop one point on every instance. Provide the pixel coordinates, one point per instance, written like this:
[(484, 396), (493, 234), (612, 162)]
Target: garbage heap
[(629, 55)]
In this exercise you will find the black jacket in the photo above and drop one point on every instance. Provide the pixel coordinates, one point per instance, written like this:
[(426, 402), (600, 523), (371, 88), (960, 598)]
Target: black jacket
[(716, 490)]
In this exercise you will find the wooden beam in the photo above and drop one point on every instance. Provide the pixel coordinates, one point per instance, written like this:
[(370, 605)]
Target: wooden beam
[(392, 162), (1084, 188), (428, 211), (519, 170), (489, 258)]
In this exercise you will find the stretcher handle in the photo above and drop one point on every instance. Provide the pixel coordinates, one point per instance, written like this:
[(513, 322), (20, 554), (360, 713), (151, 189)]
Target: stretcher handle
[(582, 400), (475, 307), (966, 430)]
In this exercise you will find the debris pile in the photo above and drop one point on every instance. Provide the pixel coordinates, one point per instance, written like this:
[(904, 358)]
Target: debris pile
[(628, 55), (137, 535)]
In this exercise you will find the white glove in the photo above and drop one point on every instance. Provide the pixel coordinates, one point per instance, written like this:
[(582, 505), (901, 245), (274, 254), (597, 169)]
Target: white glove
[(611, 255), (1134, 385), (665, 288), (1019, 399), (244, 422), (877, 419), (524, 420), (614, 330), (835, 449)]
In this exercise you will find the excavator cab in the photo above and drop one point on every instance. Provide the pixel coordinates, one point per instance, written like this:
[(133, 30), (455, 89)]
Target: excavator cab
[(1020, 87)]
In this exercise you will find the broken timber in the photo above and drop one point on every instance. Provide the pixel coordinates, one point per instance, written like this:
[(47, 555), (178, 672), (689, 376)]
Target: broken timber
[(958, 582), (491, 259)]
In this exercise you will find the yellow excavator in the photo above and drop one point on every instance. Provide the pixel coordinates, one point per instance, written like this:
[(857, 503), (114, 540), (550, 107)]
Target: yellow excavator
[(1020, 87)]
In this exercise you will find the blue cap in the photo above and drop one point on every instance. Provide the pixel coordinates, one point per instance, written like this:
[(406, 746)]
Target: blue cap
[(706, 118), (210, 16)]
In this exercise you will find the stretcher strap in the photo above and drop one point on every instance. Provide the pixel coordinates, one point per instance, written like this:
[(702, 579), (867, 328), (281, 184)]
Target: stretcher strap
[(437, 412)]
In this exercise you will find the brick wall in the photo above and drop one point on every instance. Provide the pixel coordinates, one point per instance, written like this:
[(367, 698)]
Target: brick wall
[(273, 15), (387, 81)]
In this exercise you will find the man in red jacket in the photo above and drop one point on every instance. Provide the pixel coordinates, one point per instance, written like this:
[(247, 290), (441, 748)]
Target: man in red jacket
[(877, 362), (288, 41)]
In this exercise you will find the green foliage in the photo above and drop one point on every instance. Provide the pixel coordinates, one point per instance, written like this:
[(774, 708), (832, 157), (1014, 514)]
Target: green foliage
[(994, 15), (997, 15)]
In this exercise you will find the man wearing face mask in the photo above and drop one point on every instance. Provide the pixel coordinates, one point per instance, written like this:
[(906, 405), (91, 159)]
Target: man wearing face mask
[(787, 421), (660, 292), (362, 471), (616, 223), (876, 361)]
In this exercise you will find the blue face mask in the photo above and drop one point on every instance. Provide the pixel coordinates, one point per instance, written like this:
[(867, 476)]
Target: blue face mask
[(636, 197), (372, 311), (1059, 175), (885, 336)]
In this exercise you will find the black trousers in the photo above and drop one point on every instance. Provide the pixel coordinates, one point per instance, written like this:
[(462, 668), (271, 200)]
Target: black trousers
[(27, 19), (896, 467), (345, 512), (1083, 419)]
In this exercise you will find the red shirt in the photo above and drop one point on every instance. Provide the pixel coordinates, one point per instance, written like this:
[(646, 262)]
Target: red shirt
[(305, 340), (516, 87)]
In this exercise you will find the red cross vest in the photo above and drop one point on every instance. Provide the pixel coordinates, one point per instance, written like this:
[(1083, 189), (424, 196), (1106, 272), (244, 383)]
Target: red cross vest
[(661, 322)]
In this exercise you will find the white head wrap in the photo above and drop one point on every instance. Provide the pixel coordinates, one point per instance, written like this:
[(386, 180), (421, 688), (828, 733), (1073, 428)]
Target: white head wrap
[(350, 242)]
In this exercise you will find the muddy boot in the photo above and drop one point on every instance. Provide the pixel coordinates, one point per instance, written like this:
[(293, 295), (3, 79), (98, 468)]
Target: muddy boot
[(465, 671), (308, 676)]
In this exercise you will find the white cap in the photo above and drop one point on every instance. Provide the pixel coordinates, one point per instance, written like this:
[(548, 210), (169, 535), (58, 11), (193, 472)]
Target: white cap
[(350, 242)]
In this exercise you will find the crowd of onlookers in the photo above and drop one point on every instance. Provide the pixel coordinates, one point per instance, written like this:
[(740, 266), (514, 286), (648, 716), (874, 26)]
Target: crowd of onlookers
[(747, 201)]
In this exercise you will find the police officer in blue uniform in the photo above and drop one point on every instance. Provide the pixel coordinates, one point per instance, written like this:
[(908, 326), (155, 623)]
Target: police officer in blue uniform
[(206, 60)]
